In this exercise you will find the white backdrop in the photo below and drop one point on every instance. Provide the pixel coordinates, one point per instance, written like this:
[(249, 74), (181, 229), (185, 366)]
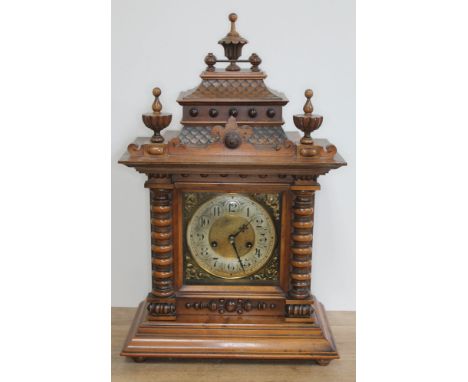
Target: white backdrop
[(302, 44)]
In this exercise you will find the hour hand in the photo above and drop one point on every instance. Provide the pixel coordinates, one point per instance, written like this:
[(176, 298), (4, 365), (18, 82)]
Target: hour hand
[(243, 227)]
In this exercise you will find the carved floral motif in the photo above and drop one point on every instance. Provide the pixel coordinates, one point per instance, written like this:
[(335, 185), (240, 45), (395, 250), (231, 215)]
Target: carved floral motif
[(230, 305)]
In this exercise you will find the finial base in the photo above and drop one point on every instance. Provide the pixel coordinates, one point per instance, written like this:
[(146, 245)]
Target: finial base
[(307, 140), (233, 67), (157, 138)]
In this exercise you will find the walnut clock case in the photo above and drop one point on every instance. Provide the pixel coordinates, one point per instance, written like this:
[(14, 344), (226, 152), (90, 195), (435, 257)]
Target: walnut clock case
[(232, 216)]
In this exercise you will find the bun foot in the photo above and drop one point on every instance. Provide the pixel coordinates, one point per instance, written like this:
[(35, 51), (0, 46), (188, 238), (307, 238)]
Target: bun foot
[(139, 359), (322, 362)]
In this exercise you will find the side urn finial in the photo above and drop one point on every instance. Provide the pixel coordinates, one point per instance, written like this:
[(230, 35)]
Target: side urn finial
[(156, 120), (307, 122), (232, 44)]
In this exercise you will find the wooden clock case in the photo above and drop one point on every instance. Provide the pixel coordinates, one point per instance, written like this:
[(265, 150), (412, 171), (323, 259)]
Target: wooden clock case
[(231, 141)]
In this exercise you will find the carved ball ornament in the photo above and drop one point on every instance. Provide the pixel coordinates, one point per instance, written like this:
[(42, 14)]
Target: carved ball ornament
[(252, 113), (232, 140)]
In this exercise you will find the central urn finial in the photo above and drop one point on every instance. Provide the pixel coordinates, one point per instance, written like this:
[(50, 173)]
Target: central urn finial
[(232, 44)]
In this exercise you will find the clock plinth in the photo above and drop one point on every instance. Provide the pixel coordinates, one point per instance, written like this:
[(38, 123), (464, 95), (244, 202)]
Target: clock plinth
[(231, 337), (232, 201)]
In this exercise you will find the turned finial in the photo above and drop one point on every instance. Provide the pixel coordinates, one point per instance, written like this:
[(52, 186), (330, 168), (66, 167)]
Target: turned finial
[(308, 108), (210, 61), (307, 122), (156, 120), (157, 107), (255, 61), (232, 44)]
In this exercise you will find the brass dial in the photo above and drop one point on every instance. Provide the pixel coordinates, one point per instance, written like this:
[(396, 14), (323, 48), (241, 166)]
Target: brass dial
[(231, 236)]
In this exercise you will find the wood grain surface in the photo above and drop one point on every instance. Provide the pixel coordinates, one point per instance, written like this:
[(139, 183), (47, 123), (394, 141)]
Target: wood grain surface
[(340, 370)]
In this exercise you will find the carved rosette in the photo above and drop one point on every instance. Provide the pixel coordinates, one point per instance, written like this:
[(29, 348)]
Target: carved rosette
[(301, 244), (161, 242)]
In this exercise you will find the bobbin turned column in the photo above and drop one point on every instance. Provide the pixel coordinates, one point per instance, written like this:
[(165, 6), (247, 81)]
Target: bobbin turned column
[(299, 304), (161, 302), (301, 246)]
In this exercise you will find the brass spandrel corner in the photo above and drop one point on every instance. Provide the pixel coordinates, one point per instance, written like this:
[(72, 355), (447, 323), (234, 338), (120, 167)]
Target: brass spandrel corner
[(272, 201)]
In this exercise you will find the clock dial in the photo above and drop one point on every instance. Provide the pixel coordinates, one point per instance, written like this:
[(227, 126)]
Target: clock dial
[(231, 236)]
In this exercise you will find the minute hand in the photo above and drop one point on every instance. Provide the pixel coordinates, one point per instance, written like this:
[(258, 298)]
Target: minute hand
[(237, 254)]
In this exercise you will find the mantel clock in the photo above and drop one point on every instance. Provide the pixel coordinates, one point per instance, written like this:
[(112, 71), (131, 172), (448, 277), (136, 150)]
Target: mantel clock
[(232, 215)]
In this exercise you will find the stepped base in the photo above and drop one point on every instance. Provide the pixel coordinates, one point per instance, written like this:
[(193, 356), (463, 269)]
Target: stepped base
[(232, 338)]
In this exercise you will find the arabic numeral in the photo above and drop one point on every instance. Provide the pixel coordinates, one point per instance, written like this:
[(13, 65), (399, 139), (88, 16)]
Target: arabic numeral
[(233, 206), (259, 222)]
